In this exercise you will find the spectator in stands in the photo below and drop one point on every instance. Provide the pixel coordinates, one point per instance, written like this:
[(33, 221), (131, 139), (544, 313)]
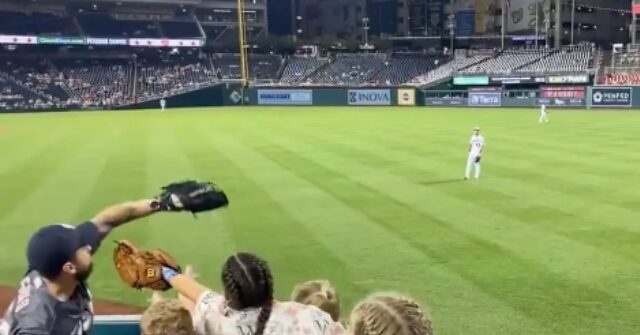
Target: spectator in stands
[(248, 305), (166, 317), (319, 293), (389, 314)]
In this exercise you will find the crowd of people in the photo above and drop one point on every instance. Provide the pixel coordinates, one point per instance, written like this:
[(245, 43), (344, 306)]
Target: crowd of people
[(247, 306), (93, 83), (53, 297)]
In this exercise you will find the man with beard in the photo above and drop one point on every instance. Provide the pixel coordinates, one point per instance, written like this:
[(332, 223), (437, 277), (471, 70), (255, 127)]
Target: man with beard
[(53, 297)]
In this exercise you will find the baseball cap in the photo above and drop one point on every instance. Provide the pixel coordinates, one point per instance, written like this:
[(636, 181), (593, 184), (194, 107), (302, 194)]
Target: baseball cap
[(52, 246), (476, 129)]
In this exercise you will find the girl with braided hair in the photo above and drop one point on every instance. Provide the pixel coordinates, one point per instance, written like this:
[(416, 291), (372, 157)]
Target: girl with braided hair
[(247, 306), (389, 314)]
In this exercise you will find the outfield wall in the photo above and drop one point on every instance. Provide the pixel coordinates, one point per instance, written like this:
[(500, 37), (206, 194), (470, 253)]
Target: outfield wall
[(572, 96)]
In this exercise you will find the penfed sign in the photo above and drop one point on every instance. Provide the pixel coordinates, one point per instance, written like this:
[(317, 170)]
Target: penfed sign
[(369, 97), (610, 97)]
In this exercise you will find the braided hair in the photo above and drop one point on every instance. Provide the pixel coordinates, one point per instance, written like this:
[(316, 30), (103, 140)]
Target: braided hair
[(248, 284), (390, 314)]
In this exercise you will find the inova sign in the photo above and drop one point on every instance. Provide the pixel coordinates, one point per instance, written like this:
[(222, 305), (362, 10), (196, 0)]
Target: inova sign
[(369, 97)]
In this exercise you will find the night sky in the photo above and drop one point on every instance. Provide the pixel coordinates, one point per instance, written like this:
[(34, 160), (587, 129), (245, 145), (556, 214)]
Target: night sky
[(279, 12)]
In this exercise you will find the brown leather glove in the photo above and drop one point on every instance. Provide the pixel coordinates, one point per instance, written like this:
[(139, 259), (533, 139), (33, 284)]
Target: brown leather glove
[(142, 269)]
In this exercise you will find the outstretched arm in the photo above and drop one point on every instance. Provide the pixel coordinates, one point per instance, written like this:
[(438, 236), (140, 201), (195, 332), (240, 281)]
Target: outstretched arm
[(116, 215), (186, 286)]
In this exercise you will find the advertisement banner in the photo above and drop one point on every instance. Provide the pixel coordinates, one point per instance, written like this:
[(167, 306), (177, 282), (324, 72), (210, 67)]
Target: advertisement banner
[(285, 97), (97, 41), (406, 97), (485, 99), (445, 101), (562, 102), (506, 80), (118, 41), (369, 97), (62, 40), (15, 39), (165, 42), (562, 92), (569, 79), (471, 80), (611, 97)]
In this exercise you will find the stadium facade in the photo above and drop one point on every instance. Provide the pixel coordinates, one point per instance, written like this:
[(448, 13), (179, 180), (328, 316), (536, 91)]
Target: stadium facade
[(596, 21)]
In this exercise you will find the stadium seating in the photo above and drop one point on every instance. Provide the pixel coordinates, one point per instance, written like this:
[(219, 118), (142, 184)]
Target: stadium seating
[(14, 96), (298, 68), (166, 78), (446, 70), (402, 67), (507, 61), (348, 69), (570, 59), (261, 67), (100, 84)]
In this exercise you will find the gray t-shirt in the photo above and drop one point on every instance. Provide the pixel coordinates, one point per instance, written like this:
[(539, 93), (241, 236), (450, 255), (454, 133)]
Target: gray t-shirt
[(36, 312)]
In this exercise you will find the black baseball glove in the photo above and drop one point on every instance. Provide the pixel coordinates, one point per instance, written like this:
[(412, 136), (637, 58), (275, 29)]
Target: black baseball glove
[(192, 196), (478, 159)]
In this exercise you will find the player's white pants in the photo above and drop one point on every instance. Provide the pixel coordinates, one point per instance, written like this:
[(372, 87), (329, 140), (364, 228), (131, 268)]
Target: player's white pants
[(162, 108), (543, 117), (471, 163)]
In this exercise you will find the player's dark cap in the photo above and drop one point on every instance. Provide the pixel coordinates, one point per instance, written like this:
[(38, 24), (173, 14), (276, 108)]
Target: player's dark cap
[(53, 246)]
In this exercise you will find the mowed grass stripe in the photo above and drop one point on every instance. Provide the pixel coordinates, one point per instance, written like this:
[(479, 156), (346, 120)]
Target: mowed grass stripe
[(547, 214), (39, 163), (20, 146), (517, 237), (611, 190), (123, 178), (339, 225), (54, 200), (578, 291), (441, 159), (293, 251), (492, 185), (449, 253)]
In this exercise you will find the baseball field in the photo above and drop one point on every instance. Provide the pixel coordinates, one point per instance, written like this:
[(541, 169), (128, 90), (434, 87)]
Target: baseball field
[(546, 242)]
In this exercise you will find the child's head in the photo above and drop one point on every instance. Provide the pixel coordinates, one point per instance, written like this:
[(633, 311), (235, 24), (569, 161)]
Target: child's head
[(389, 314), (319, 293)]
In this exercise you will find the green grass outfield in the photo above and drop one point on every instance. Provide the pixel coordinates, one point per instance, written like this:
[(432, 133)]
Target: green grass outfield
[(547, 242)]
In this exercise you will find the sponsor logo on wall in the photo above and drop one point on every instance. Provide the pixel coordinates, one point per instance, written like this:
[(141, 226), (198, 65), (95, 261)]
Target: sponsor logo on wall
[(285, 97), (369, 97), (406, 97), (485, 99), (611, 97), (569, 79)]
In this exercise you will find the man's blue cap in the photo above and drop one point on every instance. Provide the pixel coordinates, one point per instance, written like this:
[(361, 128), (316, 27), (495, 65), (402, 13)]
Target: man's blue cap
[(53, 246)]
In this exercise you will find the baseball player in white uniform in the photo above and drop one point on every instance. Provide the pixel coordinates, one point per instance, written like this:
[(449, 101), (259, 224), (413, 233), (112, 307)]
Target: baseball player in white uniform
[(476, 146), (163, 104), (543, 114)]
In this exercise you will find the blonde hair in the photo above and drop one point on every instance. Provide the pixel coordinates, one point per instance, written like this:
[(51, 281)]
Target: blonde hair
[(319, 293), (166, 317), (390, 314)]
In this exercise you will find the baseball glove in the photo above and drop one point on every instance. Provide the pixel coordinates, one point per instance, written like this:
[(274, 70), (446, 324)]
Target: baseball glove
[(192, 196), (478, 158), (142, 269)]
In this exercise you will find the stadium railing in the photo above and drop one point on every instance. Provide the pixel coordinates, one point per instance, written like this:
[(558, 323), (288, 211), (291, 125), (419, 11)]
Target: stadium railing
[(116, 325)]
